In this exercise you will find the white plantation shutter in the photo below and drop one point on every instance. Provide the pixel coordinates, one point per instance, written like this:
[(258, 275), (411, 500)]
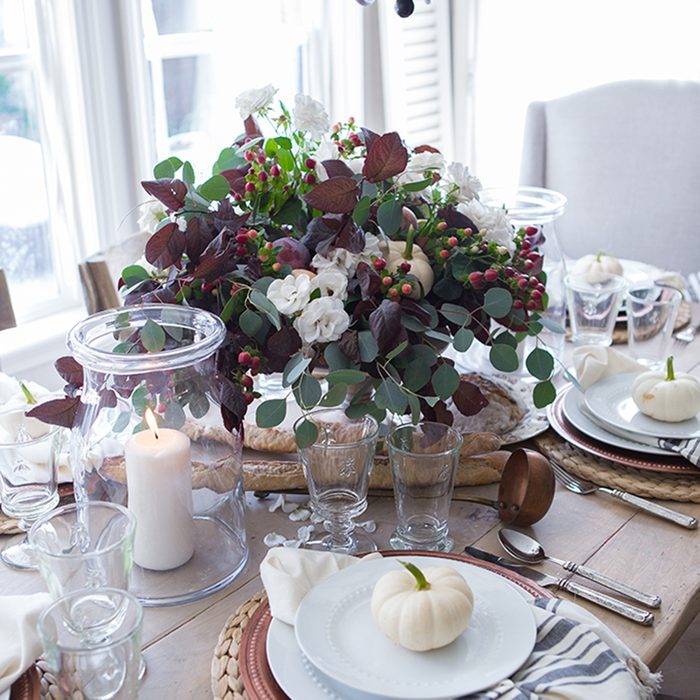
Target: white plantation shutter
[(417, 75)]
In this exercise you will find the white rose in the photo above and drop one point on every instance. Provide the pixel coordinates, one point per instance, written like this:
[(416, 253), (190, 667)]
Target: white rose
[(460, 182), (252, 101), (291, 294), (331, 283), (323, 320), (338, 259), (327, 150), (417, 166), (310, 115), (492, 223), (153, 213)]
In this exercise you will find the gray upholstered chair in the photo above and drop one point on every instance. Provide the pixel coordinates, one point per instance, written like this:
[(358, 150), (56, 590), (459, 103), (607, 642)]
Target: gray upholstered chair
[(627, 156)]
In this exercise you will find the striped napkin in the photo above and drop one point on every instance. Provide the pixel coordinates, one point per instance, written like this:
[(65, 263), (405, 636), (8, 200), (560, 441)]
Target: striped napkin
[(575, 657)]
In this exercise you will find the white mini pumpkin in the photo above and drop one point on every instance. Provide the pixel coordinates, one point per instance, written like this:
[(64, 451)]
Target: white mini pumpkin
[(398, 252), (422, 610), (667, 396), (595, 267)]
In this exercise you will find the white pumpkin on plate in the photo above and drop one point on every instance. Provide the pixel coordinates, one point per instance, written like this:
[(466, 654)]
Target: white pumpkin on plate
[(597, 266), (422, 610), (667, 396)]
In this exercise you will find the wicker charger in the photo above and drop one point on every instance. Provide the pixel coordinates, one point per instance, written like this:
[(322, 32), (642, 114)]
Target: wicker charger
[(8, 526), (605, 473)]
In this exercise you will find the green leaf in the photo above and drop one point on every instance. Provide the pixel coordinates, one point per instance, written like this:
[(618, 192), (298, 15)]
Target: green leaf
[(306, 434), (424, 353), (368, 346), (414, 405), (357, 410), (361, 211), (133, 274), (139, 400), (455, 314), (198, 404), (417, 186), (271, 147), (271, 413), (506, 338), (27, 394), (411, 323), (504, 358), (439, 336), (294, 368), (390, 396), (227, 311), (284, 142), (262, 303), (215, 188), (346, 376), (164, 169), (463, 340), (152, 336), (397, 350), (448, 288), (289, 212), (335, 358), (308, 391), (551, 325), (417, 375), (285, 159), (389, 216), (543, 394), (122, 421), (249, 321), (445, 381), (188, 173), (334, 396), (228, 159), (263, 284), (497, 302), (540, 364)]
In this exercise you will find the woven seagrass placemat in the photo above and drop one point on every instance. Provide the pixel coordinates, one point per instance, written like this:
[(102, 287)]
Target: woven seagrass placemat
[(605, 473), (8, 526)]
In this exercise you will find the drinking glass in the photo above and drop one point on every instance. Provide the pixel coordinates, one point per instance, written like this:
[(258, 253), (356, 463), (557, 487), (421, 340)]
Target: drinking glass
[(594, 301), (424, 460), (92, 643), (651, 315), (337, 467), (28, 481)]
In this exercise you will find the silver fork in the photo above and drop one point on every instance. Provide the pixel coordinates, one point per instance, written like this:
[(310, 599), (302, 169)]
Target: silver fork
[(692, 296), (584, 488)]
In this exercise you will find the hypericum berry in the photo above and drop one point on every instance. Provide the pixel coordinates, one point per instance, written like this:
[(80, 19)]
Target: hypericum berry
[(255, 363), (531, 305), (525, 247), (351, 120), (252, 234), (406, 288), (529, 265), (247, 381), (336, 127), (530, 231), (379, 264), (355, 140), (244, 357), (518, 304), (241, 250), (249, 156), (249, 187), (442, 226), (237, 196), (509, 272), (533, 256), (388, 281), (393, 292), (536, 295), (160, 408), (310, 163), (310, 178), (241, 237), (261, 159), (248, 397), (263, 257), (476, 279), (523, 283), (468, 232), (262, 176), (534, 282), (405, 267), (491, 275), (540, 288), (275, 170), (269, 246), (452, 241), (444, 253), (276, 267)]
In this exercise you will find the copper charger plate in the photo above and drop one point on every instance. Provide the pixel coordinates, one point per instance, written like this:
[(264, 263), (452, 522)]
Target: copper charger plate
[(27, 686), (653, 463), (257, 677)]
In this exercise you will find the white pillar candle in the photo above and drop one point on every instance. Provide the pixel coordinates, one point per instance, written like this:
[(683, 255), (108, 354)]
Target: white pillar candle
[(159, 482)]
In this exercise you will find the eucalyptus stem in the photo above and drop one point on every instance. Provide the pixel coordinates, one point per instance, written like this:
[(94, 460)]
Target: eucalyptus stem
[(670, 374), (421, 582)]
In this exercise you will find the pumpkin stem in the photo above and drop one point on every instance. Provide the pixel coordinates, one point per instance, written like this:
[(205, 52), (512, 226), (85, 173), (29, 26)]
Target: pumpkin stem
[(421, 582), (27, 394), (408, 250), (670, 374), (599, 255)]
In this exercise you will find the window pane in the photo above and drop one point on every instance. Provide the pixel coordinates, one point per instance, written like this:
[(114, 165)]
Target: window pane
[(13, 31), (179, 16)]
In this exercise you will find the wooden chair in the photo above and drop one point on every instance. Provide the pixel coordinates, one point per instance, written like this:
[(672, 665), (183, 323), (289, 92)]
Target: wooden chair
[(99, 273), (7, 315)]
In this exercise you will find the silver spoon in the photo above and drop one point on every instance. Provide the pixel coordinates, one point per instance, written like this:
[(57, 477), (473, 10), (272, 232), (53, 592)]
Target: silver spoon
[(525, 548)]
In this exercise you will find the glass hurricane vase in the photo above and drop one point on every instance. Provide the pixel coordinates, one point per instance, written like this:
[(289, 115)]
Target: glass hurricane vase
[(150, 436)]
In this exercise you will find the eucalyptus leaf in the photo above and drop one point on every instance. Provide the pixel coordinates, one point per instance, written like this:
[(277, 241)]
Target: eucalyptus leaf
[(411, 323), (361, 212), (455, 314), (306, 434), (424, 353), (368, 346), (417, 375), (389, 216), (390, 396), (122, 422), (174, 415), (334, 396), (215, 188), (335, 358), (543, 394), (133, 274), (540, 364), (152, 336), (551, 325), (346, 376), (498, 302), (227, 312), (271, 413), (198, 404), (445, 381), (396, 351), (294, 368), (504, 358), (414, 405), (188, 173), (262, 303), (463, 340), (308, 391), (249, 321)]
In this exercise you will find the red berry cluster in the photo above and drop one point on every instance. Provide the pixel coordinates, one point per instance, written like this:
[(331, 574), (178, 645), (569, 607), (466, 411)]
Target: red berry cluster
[(252, 242), (396, 284), (345, 137)]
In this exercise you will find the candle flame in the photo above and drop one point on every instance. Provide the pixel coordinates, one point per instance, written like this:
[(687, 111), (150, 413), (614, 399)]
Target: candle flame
[(151, 420)]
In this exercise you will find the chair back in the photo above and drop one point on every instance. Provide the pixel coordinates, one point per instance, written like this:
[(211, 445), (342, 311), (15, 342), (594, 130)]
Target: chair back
[(627, 157), (7, 315)]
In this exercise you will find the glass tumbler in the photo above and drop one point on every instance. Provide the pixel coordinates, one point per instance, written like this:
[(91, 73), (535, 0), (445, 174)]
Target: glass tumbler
[(337, 468), (652, 310), (424, 460), (594, 301), (28, 477), (92, 643)]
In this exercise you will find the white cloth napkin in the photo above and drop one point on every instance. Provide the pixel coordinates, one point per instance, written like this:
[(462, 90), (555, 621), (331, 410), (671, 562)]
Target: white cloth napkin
[(19, 641), (575, 657), (593, 363)]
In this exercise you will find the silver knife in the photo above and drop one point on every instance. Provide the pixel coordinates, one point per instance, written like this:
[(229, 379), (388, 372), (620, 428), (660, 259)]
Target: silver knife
[(631, 612)]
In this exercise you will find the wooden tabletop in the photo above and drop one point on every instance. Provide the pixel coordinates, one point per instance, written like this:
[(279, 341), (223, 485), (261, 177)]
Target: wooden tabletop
[(649, 553)]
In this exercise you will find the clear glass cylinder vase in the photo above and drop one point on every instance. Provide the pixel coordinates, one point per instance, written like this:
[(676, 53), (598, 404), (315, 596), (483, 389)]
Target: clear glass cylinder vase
[(150, 436)]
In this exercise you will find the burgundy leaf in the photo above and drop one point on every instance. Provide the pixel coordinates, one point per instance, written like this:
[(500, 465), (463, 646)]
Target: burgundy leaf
[(57, 411), (280, 346), (443, 414), (213, 267), (386, 327), (252, 128), (410, 307), (425, 148), (236, 179), (337, 196), (350, 236), (469, 399), (170, 192), (166, 246), (135, 296), (164, 295), (337, 168), (232, 422), (198, 236), (369, 136), (320, 234), (71, 372), (386, 157), (108, 399), (370, 282), (350, 345), (455, 219)]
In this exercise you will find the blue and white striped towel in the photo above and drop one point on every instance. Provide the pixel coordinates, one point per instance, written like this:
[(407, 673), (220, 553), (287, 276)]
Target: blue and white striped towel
[(575, 657)]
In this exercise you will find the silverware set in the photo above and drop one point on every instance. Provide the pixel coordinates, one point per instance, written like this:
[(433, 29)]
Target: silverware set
[(692, 296)]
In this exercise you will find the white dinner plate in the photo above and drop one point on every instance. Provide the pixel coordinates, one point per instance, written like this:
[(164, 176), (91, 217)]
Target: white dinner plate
[(573, 413), (611, 400), (336, 632)]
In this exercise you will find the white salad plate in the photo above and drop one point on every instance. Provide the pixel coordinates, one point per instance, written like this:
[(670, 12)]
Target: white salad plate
[(337, 634), (611, 400), (573, 400)]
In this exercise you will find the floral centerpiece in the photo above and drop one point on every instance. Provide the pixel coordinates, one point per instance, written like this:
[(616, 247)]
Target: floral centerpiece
[(336, 248)]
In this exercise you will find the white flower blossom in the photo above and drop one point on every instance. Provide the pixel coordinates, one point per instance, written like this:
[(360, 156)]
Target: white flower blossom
[(492, 223), (310, 115), (417, 166), (345, 262), (327, 150), (291, 294), (153, 213), (331, 283), (356, 165), (181, 222), (323, 320), (468, 185), (252, 101)]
